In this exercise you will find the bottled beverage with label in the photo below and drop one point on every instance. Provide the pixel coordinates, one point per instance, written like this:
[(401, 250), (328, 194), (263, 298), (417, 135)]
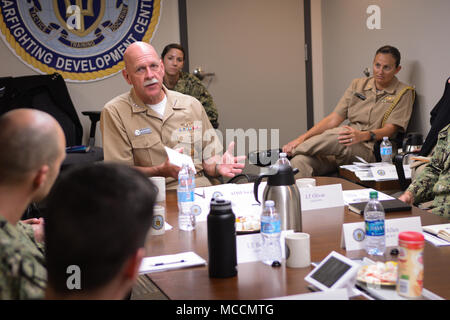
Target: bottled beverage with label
[(270, 233), (386, 150), (375, 240), (185, 194)]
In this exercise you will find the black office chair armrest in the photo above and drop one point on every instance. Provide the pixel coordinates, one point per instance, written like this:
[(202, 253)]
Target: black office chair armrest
[(264, 158), (398, 162), (94, 116)]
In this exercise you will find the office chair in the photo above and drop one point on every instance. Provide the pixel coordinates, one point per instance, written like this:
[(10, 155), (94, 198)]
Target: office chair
[(439, 118), (49, 93)]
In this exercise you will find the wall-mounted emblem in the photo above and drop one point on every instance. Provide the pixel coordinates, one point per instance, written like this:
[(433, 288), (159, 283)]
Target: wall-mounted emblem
[(83, 40)]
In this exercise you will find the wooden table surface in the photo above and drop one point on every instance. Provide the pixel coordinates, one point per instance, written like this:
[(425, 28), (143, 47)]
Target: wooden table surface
[(256, 280)]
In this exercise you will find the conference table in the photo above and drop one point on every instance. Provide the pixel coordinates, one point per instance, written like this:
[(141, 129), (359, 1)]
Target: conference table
[(256, 280)]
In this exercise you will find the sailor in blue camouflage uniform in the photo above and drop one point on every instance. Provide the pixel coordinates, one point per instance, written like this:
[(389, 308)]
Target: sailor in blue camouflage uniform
[(186, 83), (433, 183)]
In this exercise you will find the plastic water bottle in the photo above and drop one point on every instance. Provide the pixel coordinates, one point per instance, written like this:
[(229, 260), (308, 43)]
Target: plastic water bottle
[(270, 233), (386, 150), (185, 194), (375, 241)]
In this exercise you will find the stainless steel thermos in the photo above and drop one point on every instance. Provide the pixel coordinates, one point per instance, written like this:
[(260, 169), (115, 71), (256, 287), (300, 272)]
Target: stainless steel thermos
[(281, 188), (221, 239)]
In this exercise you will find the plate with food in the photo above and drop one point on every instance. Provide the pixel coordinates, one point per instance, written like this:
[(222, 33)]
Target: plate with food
[(247, 224), (378, 273)]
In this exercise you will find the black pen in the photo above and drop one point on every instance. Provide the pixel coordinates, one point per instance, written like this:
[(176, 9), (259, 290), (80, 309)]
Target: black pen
[(164, 263)]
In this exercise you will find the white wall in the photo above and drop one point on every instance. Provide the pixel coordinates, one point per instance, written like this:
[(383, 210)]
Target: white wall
[(93, 95), (418, 28), (342, 48)]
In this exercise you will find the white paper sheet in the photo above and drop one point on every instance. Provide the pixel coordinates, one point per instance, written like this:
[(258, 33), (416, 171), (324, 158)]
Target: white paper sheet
[(178, 159), (171, 261), (438, 242), (243, 202)]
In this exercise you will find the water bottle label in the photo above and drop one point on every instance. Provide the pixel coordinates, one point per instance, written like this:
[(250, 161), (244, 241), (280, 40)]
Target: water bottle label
[(386, 151), (186, 196), (375, 228), (271, 227)]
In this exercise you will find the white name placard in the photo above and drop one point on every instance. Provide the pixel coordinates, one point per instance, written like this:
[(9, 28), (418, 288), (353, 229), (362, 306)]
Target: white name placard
[(353, 233), (321, 197), (249, 246), (389, 172)]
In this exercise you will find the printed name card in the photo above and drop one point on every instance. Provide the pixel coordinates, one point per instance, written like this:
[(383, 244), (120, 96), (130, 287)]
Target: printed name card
[(249, 246), (389, 172), (321, 197), (353, 234)]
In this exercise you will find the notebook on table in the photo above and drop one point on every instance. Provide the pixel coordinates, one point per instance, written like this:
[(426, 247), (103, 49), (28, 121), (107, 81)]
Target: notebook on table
[(392, 205)]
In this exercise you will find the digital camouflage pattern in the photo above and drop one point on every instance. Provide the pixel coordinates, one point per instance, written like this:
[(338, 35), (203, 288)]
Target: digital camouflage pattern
[(191, 85), (433, 183), (22, 263)]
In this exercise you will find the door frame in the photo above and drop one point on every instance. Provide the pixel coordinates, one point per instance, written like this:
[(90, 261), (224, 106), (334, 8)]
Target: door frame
[(184, 41)]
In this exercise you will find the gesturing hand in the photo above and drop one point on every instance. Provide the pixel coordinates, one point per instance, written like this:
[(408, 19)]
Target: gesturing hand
[(229, 165)]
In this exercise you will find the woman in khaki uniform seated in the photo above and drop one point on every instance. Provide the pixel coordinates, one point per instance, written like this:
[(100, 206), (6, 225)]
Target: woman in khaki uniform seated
[(375, 107)]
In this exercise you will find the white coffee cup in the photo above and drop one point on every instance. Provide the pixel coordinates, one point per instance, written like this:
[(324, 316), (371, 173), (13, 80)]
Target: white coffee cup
[(158, 221), (298, 250), (306, 183), (160, 183)]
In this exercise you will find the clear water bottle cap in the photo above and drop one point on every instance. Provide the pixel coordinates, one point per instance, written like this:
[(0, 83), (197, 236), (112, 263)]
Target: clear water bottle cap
[(283, 155), (269, 203), (373, 195), (385, 138)]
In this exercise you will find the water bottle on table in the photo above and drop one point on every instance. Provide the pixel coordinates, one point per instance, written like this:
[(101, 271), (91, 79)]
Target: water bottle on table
[(386, 150), (185, 194), (270, 233), (375, 240)]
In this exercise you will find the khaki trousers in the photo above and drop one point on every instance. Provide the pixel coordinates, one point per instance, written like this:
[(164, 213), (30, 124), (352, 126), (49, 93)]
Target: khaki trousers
[(323, 154)]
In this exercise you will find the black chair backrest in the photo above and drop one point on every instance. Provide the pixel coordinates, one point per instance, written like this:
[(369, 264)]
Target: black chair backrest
[(47, 93), (439, 118)]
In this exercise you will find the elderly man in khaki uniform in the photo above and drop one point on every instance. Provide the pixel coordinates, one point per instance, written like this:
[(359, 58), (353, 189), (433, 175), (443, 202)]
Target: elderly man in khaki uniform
[(137, 125), (375, 107)]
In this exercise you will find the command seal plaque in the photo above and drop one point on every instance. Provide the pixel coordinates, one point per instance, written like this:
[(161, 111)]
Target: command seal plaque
[(83, 40)]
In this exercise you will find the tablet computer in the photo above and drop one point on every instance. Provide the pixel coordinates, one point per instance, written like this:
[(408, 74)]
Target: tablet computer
[(335, 271)]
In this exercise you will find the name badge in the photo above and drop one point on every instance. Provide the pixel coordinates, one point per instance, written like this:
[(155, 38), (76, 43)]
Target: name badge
[(353, 234), (321, 197), (138, 132)]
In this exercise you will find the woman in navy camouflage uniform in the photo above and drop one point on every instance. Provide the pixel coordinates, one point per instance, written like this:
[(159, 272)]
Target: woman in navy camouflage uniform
[(186, 83)]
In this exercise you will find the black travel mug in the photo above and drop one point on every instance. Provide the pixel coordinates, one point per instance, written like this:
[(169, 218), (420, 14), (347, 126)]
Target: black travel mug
[(221, 240)]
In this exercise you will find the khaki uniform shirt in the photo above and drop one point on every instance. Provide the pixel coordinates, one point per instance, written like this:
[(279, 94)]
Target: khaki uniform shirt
[(23, 274), (192, 86), (368, 114), (433, 183), (136, 135)]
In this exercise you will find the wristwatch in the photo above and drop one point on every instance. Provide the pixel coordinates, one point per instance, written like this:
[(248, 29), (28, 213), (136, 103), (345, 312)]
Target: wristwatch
[(372, 136)]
